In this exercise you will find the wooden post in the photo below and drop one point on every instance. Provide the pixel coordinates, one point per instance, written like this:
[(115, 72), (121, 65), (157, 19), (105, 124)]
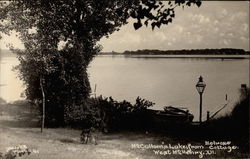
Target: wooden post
[(187, 112), (200, 107), (208, 115), (244, 89), (43, 95), (95, 90)]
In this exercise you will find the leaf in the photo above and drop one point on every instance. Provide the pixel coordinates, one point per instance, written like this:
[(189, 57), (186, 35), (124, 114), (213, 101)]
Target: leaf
[(170, 20), (137, 25), (165, 22), (133, 14), (158, 24), (198, 3), (153, 25), (172, 15)]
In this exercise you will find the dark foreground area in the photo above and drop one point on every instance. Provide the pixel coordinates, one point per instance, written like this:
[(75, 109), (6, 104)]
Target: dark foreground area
[(226, 137)]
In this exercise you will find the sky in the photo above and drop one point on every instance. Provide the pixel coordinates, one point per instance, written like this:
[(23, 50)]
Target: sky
[(216, 24)]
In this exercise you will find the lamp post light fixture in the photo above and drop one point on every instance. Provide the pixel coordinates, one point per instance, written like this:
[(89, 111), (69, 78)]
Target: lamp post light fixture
[(200, 86)]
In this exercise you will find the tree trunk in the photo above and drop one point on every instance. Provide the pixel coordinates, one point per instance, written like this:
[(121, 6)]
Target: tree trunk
[(43, 95)]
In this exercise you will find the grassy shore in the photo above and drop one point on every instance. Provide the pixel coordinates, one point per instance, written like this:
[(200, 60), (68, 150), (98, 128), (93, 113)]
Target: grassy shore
[(19, 125)]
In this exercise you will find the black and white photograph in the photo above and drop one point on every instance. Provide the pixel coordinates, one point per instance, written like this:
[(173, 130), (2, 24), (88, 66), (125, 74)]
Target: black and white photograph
[(124, 79)]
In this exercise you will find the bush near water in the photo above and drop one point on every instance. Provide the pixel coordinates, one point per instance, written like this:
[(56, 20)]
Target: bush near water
[(107, 114)]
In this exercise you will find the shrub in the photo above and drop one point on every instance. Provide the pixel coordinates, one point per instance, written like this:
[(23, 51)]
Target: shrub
[(107, 114)]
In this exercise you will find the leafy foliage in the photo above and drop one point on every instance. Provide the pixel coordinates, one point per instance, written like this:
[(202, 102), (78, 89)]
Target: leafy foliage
[(108, 114), (156, 13), (60, 39)]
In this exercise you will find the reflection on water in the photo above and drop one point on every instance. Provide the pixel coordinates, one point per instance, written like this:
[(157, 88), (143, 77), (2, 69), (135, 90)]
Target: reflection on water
[(165, 81)]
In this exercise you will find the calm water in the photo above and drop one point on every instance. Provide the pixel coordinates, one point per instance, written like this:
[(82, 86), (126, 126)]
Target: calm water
[(165, 81)]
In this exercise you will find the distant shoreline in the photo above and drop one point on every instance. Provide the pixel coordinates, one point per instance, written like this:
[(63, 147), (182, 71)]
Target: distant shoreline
[(222, 57), (179, 56), (198, 52)]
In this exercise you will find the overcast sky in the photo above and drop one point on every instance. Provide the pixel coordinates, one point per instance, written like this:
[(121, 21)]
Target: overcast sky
[(216, 24)]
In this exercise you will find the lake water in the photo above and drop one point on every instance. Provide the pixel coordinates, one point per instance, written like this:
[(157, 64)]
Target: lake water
[(165, 81)]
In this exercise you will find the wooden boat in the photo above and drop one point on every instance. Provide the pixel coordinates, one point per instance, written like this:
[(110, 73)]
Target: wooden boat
[(170, 115)]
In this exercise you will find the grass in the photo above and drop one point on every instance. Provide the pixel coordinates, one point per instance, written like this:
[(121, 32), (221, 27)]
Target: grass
[(19, 124)]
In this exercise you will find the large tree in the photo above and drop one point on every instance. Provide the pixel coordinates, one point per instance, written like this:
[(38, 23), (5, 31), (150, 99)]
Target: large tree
[(58, 76)]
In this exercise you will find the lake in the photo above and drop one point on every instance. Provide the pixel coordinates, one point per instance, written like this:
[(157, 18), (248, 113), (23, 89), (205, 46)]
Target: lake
[(164, 81)]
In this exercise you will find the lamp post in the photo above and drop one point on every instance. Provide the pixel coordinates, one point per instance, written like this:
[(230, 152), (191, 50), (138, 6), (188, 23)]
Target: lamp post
[(200, 86)]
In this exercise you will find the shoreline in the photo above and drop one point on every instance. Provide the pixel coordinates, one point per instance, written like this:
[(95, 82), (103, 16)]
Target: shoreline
[(179, 56)]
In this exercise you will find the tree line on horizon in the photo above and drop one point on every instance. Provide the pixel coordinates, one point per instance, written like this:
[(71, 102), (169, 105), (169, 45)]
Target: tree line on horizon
[(223, 51)]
